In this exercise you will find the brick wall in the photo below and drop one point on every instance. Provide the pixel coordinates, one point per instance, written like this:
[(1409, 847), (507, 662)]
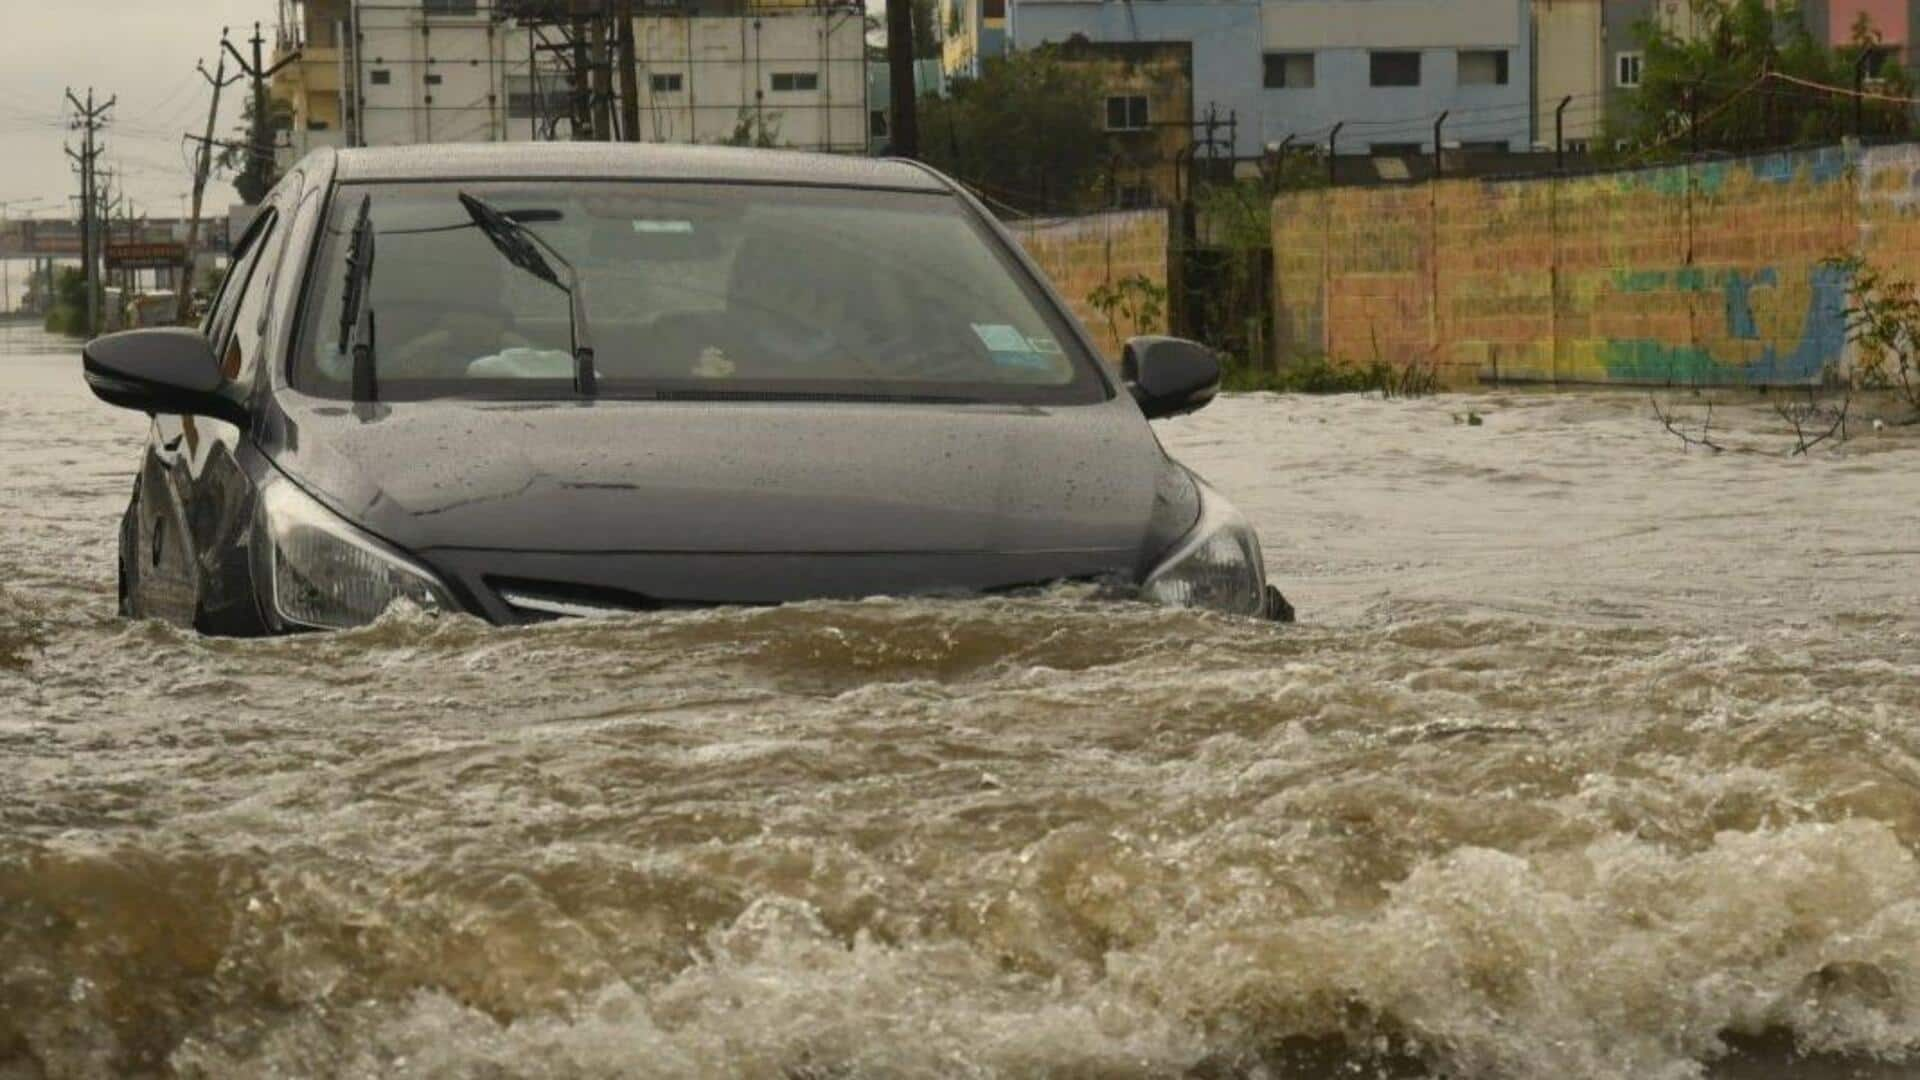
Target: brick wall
[(1080, 254), (1710, 275)]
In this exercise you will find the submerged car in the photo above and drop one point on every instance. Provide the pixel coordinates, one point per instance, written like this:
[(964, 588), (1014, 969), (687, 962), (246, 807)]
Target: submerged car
[(568, 380)]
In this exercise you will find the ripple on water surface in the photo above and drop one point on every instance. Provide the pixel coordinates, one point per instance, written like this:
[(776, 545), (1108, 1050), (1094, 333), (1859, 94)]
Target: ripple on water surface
[(1432, 832)]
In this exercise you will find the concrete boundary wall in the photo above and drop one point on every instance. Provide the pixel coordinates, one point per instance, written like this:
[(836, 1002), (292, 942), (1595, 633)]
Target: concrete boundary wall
[(1714, 273), (1082, 253)]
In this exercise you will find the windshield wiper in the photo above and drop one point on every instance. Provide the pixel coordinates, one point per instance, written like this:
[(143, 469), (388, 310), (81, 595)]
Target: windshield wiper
[(521, 246), (356, 313)]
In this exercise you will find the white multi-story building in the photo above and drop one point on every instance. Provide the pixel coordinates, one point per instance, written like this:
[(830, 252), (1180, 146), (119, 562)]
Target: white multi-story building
[(397, 72)]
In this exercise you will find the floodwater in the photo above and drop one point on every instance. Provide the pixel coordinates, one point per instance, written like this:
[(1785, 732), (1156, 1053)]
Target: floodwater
[(1592, 757)]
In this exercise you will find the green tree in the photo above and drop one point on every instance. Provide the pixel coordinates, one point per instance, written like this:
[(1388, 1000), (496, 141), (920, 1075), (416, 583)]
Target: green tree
[(1026, 132), (1736, 76), (755, 129), (68, 315), (254, 175), (926, 28)]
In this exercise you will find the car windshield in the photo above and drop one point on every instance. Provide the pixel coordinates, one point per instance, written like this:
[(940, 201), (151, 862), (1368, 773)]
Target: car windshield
[(688, 290)]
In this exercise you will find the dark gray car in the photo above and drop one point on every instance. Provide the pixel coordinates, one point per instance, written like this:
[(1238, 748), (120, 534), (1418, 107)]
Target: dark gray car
[(538, 381)]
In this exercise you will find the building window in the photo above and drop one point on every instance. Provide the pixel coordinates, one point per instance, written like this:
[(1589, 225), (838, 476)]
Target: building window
[(434, 80), (1626, 69), (449, 7), (1127, 113), (1394, 68), (380, 77), (524, 102), (1395, 149), (1483, 67), (787, 82), (1290, 71), (667, 83), (1578, 146)]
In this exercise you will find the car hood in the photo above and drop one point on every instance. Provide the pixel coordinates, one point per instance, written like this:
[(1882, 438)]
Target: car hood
[(737, 478)]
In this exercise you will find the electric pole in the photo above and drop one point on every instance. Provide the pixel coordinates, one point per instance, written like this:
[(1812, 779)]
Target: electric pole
[(105, 202), (260, 165), (629, 72), (90, 120), (203, 168), (900, 69), (602, 81)]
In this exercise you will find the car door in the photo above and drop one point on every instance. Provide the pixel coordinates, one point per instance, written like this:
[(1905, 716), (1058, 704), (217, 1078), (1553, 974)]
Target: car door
[(175, 573)]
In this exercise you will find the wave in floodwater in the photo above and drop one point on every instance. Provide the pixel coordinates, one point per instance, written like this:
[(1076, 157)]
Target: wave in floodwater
[(1592, 759)]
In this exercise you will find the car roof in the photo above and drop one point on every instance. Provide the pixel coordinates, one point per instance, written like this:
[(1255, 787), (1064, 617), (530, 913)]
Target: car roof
[(630, 161)]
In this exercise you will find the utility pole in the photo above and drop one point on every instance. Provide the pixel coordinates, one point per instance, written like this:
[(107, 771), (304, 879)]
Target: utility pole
[(1560, 134), (602, 81), (91, 119), (900, 70), (582, 84), (203, 168), (629, 72), (1860, 93), (105, 202), (261, 164)]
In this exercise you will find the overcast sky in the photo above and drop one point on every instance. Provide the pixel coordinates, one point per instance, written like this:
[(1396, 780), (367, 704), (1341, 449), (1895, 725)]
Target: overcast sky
[(142, 50)]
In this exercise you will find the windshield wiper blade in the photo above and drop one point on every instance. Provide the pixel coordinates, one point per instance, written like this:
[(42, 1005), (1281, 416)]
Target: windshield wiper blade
[(356, 311), (522, 247)]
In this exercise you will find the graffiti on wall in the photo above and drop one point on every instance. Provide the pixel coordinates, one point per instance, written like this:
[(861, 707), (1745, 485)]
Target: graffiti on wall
[(1746, 355), (1716, 274)]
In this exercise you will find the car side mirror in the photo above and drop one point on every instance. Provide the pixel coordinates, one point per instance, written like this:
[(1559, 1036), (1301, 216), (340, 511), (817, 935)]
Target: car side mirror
[(1169, 376), (168, 370)]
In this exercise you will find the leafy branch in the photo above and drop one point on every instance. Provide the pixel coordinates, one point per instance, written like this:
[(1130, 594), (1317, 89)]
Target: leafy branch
[(1137, 300), (1883, 320)]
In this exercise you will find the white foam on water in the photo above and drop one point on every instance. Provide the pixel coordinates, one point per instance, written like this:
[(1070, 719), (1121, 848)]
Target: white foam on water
[(1593, 758)]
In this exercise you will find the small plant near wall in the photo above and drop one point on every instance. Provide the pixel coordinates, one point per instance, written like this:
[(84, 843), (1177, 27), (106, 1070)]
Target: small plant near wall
[(1883, 321), (1137, 301), (755, 129), (1318, 375)]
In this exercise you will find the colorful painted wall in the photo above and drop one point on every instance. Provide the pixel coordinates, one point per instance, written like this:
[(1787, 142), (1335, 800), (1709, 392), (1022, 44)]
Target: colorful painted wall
[(1714, 274), (1080, 254)]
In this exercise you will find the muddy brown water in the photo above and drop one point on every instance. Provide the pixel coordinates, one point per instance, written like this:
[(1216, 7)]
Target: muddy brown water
[(1591, 758)]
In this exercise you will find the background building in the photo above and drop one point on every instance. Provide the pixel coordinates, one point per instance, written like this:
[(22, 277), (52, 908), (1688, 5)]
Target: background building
[(1222, 38), (972, 32), (1147, 98), (399, 72), (1388, 68), (1569, 66)]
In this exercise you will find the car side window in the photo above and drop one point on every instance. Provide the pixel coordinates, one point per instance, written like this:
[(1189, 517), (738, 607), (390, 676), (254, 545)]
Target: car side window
[(224, 294), (237, 293)]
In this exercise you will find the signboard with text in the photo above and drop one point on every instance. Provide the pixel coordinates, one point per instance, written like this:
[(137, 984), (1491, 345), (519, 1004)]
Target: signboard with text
[(145, 256)]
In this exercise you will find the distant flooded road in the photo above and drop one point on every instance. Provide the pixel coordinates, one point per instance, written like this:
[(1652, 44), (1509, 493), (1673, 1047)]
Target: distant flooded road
[(1590, 758)]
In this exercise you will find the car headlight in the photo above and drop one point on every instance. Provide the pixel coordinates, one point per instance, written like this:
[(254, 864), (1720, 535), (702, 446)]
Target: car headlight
[(1216, 566), (321, 573)]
